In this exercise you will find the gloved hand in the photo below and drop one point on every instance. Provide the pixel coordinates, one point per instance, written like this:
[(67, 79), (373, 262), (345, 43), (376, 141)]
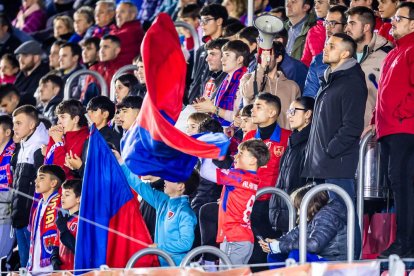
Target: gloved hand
[(56, 263), (62, 222)]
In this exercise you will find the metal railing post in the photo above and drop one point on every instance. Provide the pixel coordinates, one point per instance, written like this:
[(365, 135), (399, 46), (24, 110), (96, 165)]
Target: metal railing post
[(250, 12), (206, 249), (101, 80), (123, 69), (287, 200), (149, 251), (360, 177), (350, 229)]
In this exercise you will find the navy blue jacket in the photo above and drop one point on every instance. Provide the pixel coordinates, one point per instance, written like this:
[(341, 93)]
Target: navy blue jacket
[(316, 70), (326, 234)]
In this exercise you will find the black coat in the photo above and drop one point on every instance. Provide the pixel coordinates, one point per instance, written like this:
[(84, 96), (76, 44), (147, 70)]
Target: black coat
[(199, 75), (27, 85), (326, 234), (48, 111), (291, 166), (338, 121), (10, 45)]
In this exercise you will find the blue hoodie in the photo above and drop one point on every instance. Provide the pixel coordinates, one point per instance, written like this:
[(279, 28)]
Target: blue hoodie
[(175, 222)]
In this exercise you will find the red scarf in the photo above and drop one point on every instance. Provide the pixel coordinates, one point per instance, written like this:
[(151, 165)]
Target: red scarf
[(48, 230)]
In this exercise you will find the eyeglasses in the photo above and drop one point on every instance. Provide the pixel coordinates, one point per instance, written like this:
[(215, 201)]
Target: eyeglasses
[(331, 24), (398, 18), (292, 111), (206, 20)]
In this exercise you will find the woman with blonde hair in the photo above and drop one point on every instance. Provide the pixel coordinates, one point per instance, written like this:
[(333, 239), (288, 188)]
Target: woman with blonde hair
[(235, 8)]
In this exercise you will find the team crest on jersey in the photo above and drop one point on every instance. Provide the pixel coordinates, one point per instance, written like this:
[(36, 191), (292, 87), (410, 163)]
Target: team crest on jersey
[(278, 150), (170, 214), (73, 227)]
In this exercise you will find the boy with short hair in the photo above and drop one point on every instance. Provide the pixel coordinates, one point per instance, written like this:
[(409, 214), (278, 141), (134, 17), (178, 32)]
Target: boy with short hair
[(50, 95), (176, 221), (235, 58), (235, 234), (68, 225), (32, 134), (44, 235), (68, 136), (101, 110), (190, 14), (128, 111), (7, 148)]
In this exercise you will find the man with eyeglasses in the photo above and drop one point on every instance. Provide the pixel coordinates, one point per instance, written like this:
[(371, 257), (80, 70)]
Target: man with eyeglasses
[(334, 23), (213, 19), (371, 51), (393, 122), (338, 121), (301, 19)]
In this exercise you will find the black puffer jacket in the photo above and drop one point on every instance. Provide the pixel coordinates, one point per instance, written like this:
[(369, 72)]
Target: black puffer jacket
[(338, 121), (326, 234), (289, 178)]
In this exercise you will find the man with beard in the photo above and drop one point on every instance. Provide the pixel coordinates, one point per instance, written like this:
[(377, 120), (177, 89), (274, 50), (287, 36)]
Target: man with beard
[(371, 51), (31, 68)]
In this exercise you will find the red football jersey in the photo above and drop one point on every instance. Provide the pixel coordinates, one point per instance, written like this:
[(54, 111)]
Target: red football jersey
[(236, 203), (66, 256), (277, 144)]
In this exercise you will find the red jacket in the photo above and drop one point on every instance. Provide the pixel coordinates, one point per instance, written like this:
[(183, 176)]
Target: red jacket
[(385, 31), (72, 141), (315, 41), (277, 145), (394, 111), (131, 35)]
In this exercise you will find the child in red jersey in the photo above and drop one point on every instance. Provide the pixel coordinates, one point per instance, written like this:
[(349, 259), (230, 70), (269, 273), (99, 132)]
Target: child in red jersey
[(237, 199), (68, 225)]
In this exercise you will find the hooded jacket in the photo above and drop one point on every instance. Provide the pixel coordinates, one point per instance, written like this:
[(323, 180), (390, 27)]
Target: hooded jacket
[(338, 121), (287, 90), (29, 159), (291, 166)]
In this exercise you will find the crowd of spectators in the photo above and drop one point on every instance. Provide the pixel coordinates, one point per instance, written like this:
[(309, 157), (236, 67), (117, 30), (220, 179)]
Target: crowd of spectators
[(294, 116)]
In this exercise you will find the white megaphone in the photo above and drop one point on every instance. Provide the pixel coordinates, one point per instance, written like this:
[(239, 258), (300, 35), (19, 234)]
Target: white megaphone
[(268, 26)]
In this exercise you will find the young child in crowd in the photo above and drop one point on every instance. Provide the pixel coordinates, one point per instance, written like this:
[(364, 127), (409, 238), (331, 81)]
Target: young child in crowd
[(326, 231), (43, 230), (67, 225), (7, 148), (68, 137), (176, 221), (237, 199), (9, 67), (194, 121), (128, 111), (101, 111), (246, 121)]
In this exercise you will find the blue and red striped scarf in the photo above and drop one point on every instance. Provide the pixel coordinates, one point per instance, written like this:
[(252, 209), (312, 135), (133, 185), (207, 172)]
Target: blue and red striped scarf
[(226, 93)]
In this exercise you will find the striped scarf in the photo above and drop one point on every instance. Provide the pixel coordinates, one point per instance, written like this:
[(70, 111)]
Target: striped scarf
[(226, 93)]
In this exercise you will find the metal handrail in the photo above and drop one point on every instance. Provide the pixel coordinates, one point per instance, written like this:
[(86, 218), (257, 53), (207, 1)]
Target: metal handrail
[(149, 251), (101, 80), (303, 216), (206, 249), (360, 177), (123, 69), (285, 197), (193, 32)]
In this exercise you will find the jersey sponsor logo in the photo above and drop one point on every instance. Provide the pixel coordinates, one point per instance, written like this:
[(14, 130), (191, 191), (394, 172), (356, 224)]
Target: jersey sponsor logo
[(170, 214), (278, 151)]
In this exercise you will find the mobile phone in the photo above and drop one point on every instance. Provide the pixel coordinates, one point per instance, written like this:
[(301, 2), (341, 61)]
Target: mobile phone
[(260, 238)]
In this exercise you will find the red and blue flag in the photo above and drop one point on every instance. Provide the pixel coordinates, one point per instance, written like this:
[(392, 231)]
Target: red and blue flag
[(154, 146), (110, 228)]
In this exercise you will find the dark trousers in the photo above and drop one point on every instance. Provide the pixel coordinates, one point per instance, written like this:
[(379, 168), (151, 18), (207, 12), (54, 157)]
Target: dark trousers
[(398, 151), (208, 220)]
